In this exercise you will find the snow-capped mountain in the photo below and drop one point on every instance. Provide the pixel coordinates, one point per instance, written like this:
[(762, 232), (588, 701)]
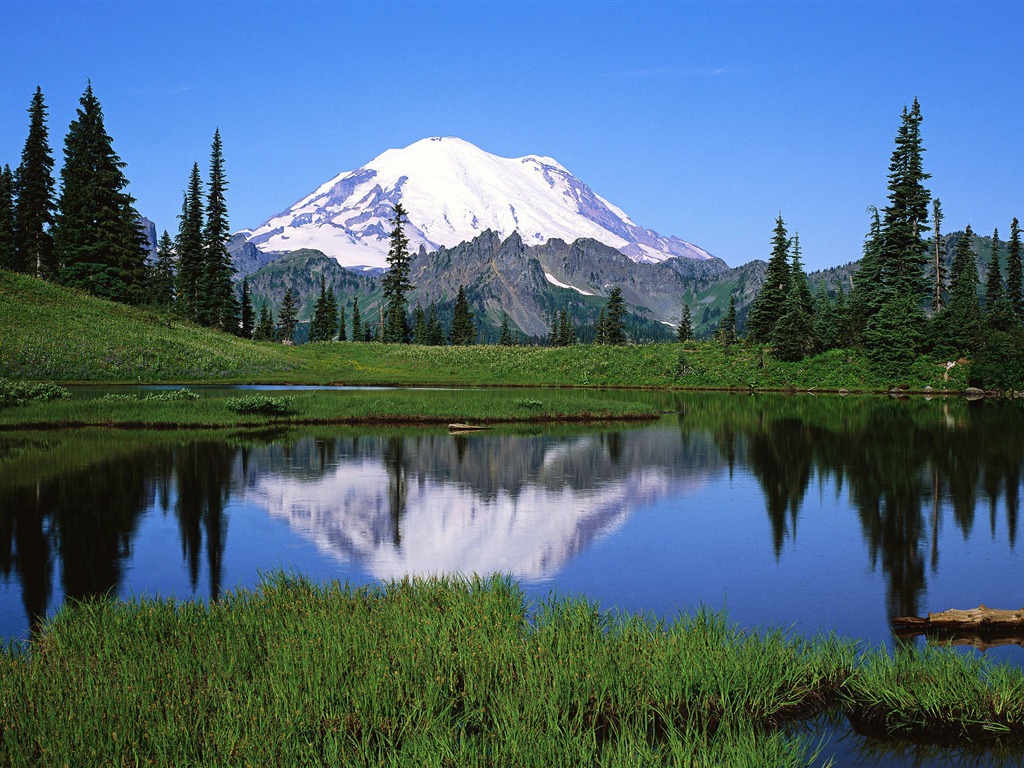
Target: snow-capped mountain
[(453, 191)]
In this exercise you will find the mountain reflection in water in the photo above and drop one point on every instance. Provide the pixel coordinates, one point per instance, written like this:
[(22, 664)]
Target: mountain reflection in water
[(95, 512)]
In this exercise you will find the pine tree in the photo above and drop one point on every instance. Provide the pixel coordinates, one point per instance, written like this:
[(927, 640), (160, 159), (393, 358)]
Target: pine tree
[(33, 210), (463, 330), (96, 237), (357, 329), (866, 296), (905, 219), (566, 329), (1014, 271), (600, 328), (826, 323), (342, 331), (248, 314), (162, 278), (331, 315), (435, 334), (287, 318), (419, 325), (615, 317), (726, 334), (684, 332), (395, 282), (994, 280), (554, 338), (959, 324), (189, 247), (265, 326), (220, 307), (770, 302), (505, 338), (938, 266), (793, 337), (318, 323), (7, 252)]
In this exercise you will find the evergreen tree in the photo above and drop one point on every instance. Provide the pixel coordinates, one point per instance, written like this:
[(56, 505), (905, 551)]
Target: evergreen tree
[(318, 330), (905, 219), (331, 315), (287, 318), (33, 209), (826, 323), (505, 338), (994, 281), (601, 328), (220, 308), (959, 324), (866, 295), (395, 283), (248, 313), (566, 330), (463, 330), (357, 328), (342, 331), (727, 328), (793, 337), (435, 334), (419, 325), (265, 327), (554, 337), (8, 259), (162, 275), (1014, 279), (189, 248), (615, 317), (938, 266), (895, 335), (685, 330), (96, 237), (770, 302)]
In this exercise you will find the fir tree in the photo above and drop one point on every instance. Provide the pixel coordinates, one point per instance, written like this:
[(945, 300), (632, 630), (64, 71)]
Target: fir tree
[(600, 328), (357, 328), (265, 326), (938, 266), (342, 331), (959, 323), (566, 329), (435, 334), (248, 313), (463, 331), (615, 317), (8, 259), (1014, 272), (395, 282), (33, 209), (554, 338), (770, 302), (726, 334), (994, 280), (793, 336), (162, 278), (318, 330), (419, 325), (895, 335), (505, 338), (866, 295), (96, 236), (684, 332), (189, 248), (905, 219), (220, 308), (287, 318), (331, 315), (826, 323)]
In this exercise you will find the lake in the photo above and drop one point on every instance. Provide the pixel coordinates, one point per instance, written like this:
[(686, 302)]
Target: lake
[(818, 514)]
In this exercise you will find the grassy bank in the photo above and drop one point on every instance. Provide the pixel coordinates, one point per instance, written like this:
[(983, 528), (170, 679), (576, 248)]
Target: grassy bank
[(456, 673), (48, 333), (410, 407)]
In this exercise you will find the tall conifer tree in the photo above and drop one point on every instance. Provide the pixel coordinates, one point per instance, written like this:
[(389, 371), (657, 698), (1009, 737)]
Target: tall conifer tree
[(960, 322), (395, 282), (684, 332), (357, 329), (248, 326), (615, 317), (1014, 271), (463, 330), (96, 235), (189, 247), (7, 252), (770, 302), (287, 318), (162, 280), (994, 279), (221, 307), (938, 266), (33, 210)]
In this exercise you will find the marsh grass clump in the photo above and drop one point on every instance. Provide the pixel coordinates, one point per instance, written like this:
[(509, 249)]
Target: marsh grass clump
[(263, 405), (19, 392), (172, 395)]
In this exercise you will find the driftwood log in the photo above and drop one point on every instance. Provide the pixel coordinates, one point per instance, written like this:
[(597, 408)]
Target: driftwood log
[(466, 427), (981, 627)]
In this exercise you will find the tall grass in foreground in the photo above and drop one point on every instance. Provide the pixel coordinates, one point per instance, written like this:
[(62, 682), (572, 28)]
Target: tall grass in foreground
[(438, 672)]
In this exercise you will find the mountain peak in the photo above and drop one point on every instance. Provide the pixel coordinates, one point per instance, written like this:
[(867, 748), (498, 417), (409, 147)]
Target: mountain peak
[(453, 191)]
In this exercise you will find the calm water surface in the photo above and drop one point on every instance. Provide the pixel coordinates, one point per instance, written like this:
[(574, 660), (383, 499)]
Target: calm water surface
[(819, 514)]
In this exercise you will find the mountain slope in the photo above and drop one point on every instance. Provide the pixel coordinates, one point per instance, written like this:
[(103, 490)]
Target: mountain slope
[(454, 191)]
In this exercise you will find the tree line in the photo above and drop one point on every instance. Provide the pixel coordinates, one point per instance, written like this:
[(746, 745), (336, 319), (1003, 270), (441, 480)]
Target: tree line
[(902, 304)]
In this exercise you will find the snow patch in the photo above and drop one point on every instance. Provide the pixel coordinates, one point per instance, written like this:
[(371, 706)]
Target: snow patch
[(554, 281)]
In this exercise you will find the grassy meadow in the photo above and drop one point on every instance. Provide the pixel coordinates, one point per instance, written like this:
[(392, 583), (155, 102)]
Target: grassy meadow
[(460, 672), (49, 333)]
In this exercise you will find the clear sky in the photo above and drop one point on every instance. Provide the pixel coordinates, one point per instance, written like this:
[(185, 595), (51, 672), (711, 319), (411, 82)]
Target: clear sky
[(700, 120)]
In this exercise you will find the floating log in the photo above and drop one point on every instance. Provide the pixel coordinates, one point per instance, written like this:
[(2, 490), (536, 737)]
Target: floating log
[(467, 427), (981, 617)]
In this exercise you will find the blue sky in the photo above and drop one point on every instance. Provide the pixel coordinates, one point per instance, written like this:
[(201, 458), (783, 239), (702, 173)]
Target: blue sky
[(700, 120)]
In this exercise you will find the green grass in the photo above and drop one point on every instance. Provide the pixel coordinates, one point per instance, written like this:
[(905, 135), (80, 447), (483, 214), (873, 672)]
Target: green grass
[(48, 333), (409, 407), (452, 672)]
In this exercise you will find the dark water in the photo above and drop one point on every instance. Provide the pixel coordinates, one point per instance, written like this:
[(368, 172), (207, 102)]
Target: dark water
[(820, 514)]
